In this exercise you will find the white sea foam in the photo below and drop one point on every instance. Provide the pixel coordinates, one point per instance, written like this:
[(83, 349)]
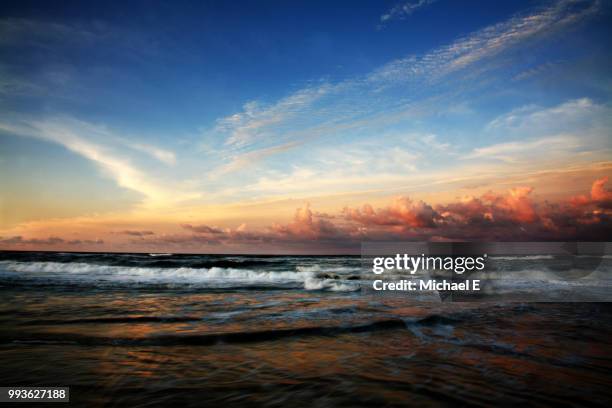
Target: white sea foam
[(522, 257), (326, 269), (312, 283), (85, 273)]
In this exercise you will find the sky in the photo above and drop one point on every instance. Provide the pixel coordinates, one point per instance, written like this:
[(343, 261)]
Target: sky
[(302, 126)]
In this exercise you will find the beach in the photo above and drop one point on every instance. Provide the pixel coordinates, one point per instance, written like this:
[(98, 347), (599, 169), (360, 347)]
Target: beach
[(157, 334)]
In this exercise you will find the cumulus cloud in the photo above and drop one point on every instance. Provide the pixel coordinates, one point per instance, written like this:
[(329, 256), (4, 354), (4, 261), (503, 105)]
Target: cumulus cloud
[(492, 216), (402, 212), (305, 226), (516, 206), (599, 197), (513, 215)]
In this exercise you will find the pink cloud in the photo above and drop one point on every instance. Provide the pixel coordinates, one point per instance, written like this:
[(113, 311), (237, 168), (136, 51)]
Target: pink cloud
[(304, 227), (204, 229), (600, 195), (514, 215), (401, 212)]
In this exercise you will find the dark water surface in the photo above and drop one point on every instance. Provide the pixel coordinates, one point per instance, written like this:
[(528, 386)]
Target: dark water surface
[(141, 331)]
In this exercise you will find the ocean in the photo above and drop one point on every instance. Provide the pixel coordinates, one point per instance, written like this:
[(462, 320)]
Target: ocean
[(145, 330)]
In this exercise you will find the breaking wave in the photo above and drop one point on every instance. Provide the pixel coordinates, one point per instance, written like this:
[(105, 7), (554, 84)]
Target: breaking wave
[(80, 273), (522, 257)]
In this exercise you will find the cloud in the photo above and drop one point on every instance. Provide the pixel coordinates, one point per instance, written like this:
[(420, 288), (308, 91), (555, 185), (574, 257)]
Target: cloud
[(526, 149), (33, 32), (18, 240), (535, 71), (600, 197), (202, 229), (369, 102), (240, 161), (599, 193), (85, 242), (180, 241), (102, 147), (162, 155), (403, 10), (402, 212), (305, 230), (118, 168), (564, 130), (514, 215), (53, 35), (570, 114), (488, 42), (245, 127), (305, 226), (136, 233)]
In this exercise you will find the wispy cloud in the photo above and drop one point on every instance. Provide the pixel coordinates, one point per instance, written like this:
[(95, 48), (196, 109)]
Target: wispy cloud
[(32, 32), (534, 133), (162, 155), (402, 10), (490, 41), (245, 127), (46, 33), (370, 101), (102, 147), (574, 126), (576, 112), (241, 160), (523, 150), (536, 71), (38, 55)]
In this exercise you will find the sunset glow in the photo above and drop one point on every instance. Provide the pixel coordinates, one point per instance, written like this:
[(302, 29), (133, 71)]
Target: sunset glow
[(114, 139)]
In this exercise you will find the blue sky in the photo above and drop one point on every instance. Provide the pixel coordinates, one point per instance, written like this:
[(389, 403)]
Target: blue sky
[(149, 110)]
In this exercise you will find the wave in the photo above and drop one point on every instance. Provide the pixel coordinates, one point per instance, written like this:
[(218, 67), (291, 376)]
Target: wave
[(229, 337), (168, 260), (329, 284), (522, 257), (215, 277), (546, 274)]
